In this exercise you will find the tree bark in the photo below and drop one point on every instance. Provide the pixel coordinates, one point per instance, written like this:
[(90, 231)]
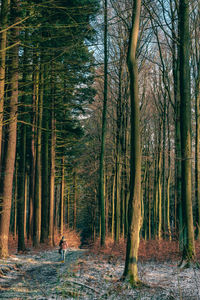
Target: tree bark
[(52, 169), (45, 164), (101, 165), (22, 159), (62, 209), (37, 190), (10, 151), (135, 175), (185, 118), (3, 39)]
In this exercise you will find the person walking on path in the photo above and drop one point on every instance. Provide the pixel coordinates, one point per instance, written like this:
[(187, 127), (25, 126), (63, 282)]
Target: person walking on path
[(63, 248)]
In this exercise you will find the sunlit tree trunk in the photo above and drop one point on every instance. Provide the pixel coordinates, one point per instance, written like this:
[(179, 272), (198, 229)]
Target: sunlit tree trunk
[(38, 175), (10, 151), (52, 176), (185, 113), (135, 175)]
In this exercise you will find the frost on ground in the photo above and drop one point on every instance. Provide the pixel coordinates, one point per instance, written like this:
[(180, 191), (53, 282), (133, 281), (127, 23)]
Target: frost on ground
[(86, 275)]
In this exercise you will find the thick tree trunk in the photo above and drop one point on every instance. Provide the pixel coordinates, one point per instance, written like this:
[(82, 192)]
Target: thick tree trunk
[(135, 175), (3, 39), (185, 114), (10, 151)]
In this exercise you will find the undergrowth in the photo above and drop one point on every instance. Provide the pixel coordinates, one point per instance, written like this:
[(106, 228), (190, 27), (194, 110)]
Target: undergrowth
[(152, 250), (73, 239), (149, 250)]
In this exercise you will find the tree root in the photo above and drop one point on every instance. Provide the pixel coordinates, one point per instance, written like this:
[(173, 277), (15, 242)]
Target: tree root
[(186, 264)]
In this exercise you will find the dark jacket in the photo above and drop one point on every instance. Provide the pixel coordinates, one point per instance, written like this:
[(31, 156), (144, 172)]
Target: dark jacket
[(63, 244)]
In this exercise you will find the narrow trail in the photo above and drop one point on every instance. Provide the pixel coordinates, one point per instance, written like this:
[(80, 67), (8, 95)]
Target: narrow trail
[(89, 276), (35, 276)]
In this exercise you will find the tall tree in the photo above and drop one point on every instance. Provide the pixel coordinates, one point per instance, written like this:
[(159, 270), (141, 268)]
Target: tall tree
[(21, 185), (134, 210), (185, 118), (37, 185), (3, 39), (10, 150), (45, 162), (101, 164)]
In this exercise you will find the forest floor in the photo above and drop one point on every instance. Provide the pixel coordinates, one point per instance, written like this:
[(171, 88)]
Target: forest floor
[(94, 274)]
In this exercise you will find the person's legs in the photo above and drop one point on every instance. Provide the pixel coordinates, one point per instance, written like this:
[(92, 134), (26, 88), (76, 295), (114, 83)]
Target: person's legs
[(62, 254), (65, 251)]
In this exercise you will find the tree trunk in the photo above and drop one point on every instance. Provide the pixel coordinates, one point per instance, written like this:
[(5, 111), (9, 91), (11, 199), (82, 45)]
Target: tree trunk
[(52, 178), (103, 135), (197, 160), (37, 191), (159, 193), (10, 151), (185, 113), (22, 158), (168, 178), (135, 175), (113, 207), (45, 164), (32, 152), (62, 217), (75, 198), (15, 205), (3, 39)]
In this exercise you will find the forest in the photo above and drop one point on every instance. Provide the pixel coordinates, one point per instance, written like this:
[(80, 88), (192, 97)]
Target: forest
[(100, 125)]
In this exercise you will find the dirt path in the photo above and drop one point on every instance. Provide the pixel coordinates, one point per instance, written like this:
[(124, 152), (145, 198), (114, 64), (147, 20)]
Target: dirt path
[(85, 275), (35, 276)]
